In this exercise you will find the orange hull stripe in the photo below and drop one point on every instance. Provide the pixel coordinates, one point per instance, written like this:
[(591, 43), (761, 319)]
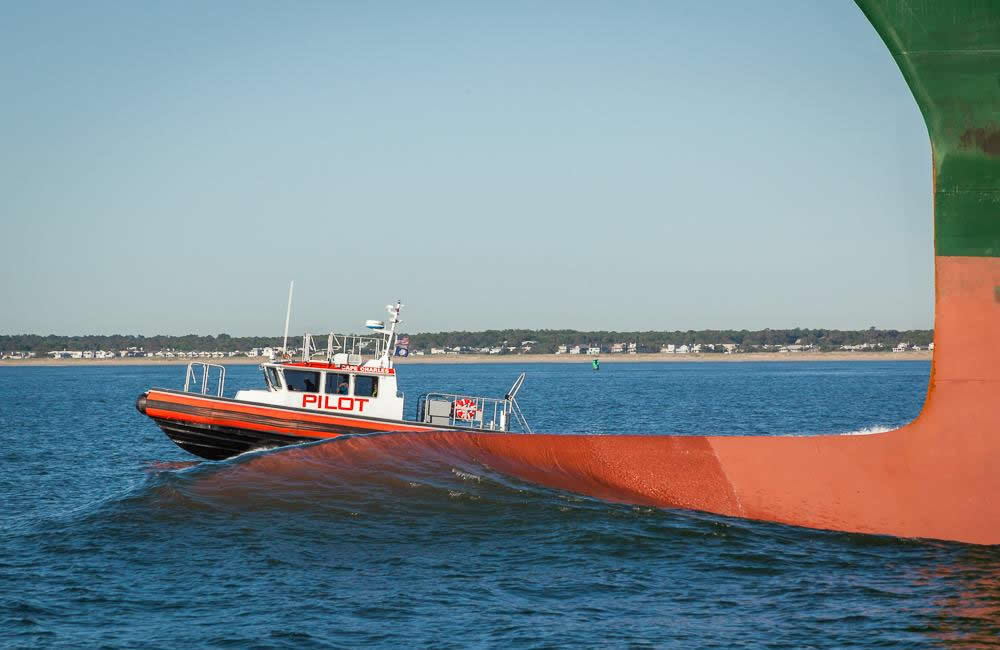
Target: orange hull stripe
[(297, 416), (237, 424)]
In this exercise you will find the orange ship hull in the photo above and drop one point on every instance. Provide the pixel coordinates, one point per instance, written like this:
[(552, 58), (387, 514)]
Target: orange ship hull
[(938, 477)]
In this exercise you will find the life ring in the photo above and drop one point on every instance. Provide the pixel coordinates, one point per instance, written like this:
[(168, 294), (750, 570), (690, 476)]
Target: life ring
[(464, 409)]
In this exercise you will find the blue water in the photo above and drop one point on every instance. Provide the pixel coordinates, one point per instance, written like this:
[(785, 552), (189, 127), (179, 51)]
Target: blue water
[(111, 536)]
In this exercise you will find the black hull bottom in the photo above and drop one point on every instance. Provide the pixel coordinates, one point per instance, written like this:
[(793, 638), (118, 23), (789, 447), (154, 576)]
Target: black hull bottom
[(215, 442)]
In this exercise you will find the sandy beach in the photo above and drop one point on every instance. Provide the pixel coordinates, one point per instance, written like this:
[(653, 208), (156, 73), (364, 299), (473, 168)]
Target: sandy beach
[(673, 358), (922, 355)]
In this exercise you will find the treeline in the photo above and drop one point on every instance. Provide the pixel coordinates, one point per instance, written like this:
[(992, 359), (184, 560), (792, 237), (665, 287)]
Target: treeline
[(542, 341), (187, 343), (548, 341)]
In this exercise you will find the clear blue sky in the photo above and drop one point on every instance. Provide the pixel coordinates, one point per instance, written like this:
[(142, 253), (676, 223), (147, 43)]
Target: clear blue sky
[(169, 167)]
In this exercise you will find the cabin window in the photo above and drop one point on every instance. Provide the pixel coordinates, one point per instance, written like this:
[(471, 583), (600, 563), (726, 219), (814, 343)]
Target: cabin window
[(273, 377), (365, 386), (302, 381), (337, 383)]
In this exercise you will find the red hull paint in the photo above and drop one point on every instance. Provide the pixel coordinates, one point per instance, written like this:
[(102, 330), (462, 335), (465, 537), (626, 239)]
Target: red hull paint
[(217, 428), (936, 477), (167, 405)]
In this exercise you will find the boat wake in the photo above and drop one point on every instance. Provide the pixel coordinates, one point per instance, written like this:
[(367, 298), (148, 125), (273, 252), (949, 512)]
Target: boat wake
[(400, 471), (387, 482), (356, 475)]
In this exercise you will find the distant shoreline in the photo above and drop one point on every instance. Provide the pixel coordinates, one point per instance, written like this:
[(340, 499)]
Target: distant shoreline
[(921, 355)]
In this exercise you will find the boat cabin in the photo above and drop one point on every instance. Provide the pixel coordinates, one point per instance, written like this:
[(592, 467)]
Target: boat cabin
[(368, 389), (354, 377)]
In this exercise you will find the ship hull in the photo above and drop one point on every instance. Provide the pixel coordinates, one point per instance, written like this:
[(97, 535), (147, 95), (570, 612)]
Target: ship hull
[(217, 428)]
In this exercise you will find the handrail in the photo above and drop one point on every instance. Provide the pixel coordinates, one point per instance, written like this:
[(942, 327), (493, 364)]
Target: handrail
[(191, 378), (470, 411), (356, 347)]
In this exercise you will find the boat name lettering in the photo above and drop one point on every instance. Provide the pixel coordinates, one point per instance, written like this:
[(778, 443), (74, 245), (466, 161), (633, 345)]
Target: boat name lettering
[(369, 370), (341, 404)]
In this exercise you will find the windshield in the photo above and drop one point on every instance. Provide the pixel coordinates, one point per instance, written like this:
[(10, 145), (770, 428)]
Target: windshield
[(273, 378), (301, 381)]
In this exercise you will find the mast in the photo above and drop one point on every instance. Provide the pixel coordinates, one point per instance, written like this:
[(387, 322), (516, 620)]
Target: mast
[(288, 316), (390, 346)]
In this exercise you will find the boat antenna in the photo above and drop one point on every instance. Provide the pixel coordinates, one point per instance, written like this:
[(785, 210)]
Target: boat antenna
[(288, 316)]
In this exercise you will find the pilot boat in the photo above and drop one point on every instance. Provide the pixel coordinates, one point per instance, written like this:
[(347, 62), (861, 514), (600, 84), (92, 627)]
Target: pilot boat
[(349, 388)]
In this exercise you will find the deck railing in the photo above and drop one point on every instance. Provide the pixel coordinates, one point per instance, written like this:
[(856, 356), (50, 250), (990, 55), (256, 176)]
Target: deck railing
[(346, 348), (471, 411), (191, 378)]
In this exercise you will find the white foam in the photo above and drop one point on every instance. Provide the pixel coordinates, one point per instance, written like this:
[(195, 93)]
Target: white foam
[(465, 476), (867, 431)]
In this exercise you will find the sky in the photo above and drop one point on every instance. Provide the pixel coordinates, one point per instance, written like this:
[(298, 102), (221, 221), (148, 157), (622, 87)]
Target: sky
[(168, 168)]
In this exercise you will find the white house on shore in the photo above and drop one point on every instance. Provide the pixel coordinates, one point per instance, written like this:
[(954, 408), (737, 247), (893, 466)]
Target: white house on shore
[(17, 355), (66, 354)]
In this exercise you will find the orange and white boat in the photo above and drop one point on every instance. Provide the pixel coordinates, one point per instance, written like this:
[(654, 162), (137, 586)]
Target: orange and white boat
[(348, 388)]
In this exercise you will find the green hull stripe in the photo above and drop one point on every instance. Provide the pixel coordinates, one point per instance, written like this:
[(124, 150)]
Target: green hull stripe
[(966, 223), (949, 54)]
